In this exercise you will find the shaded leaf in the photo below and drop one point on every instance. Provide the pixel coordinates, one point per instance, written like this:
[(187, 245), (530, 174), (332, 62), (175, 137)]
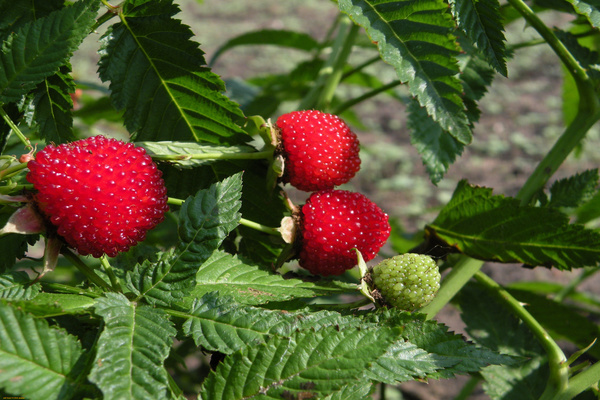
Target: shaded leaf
[(157, 77), (36, 50), (498, 228), (276, 37), (575, 190), (131, 350), (15, 14), (16, 285), (415, 38), (589, 9), (37, 361)]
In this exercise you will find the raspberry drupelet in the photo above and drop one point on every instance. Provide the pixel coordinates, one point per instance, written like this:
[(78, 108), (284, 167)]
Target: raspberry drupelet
[(102, 195)]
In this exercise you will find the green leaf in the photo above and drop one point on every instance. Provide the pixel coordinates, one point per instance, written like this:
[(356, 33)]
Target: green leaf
[(575, 190), (359, 391), (590, 210), (36, 50), (254, 284), (437, 148), (53, 304), (488, 322), (51, 107), (131, 350), (157, 77), (482, 23), (498, 228), (16, 285), (218, 323), (415, 38), (15, 14), (276, 37), (589, 60), (307, 363), (204, 222), (185, 150), (37, 361), (589, 9)]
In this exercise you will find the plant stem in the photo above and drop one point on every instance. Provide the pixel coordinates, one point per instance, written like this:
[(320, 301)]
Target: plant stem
[(243, 221), (580, 382), (12, 171), (330, 74), (468, 388), (572, 285), (15, 129), (460, 274), (111, 274), (346, 105), (360, 67), (61, 288), (559, 369), (213, 156), (260, 227), (87, 271)]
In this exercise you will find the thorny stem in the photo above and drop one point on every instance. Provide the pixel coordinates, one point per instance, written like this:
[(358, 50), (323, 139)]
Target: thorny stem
[(15, 129), (559, 369), (87, 271)]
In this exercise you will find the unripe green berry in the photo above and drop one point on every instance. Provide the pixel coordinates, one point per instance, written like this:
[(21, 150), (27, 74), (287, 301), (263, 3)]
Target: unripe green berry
[(407, 281)]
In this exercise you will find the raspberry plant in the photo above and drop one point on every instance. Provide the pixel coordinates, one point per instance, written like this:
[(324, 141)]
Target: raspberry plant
[(212, 304)]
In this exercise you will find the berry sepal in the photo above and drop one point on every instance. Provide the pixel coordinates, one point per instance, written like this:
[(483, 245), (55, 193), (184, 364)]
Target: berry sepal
[(365, 282)]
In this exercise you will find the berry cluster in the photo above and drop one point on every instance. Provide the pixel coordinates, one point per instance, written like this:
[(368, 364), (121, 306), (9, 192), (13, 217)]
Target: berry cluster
[(102, 195), (407, 281), (321, 152)]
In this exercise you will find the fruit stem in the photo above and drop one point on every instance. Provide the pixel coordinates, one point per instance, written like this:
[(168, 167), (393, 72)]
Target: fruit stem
[(214, 156), (243, 221), (559, 368), (260, 227), (87, 271), (15, 129), (111, 274), (460, 274)]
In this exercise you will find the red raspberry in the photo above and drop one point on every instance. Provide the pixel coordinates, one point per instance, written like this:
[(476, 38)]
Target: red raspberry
[(333, 223), (101, 194), (320, 150)]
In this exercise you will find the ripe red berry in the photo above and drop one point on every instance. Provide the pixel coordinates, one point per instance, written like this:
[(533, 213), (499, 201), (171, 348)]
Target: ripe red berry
[(333, 223), (319, 149), (101, 194)]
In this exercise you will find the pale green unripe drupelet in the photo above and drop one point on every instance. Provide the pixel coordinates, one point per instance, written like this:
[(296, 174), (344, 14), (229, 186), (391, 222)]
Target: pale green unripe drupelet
[(407, 281)]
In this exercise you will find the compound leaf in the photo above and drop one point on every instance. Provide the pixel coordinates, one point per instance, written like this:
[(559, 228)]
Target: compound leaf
[(37, 49), (253, 284), (157, 77), (415, 38), (306, 363), (498, 228), (204, 221), (16, 285), (131, 350), (37, 361)]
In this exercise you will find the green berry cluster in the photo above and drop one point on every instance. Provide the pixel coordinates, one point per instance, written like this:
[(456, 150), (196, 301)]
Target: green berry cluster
[(407, 281)]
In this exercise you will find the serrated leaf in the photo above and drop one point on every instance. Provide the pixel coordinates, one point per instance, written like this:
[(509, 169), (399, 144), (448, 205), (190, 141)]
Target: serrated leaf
[(437, 148), (359, 391), (498, 228), (16, 285), (487, 322), (307, 363), (253, 284), (37, 49), (190, 154), (415, 38), (131, 350), (218, 323), (50, 107), (16, 14), (204, 222), (157, 77), (588, 59), (575, 190), (37, 361), (482, 23), (276, 37), (590, 210)]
